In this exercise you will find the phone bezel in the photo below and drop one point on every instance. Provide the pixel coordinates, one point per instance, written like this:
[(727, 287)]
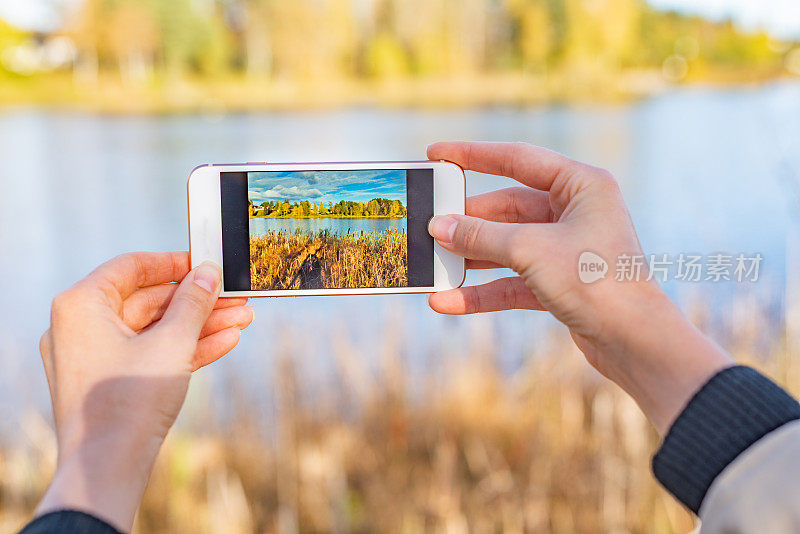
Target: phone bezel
[(205, 220)]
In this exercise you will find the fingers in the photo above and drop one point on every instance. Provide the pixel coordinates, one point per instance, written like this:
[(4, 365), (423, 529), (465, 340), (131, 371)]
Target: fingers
[(503, 294), (215, 346), (512, 205), (474, 238), (531, 165), (46, 350), (146, 306), (193, 301), (230, 302), (128, 272), (239, 317), (221, 334), (482, 264)]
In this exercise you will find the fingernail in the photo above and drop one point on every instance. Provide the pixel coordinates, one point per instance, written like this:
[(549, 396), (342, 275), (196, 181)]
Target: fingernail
[(443, 228), (207, 276)]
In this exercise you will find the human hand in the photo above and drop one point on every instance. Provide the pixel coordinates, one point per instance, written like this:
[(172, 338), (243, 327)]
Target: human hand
[(630, 331), (118, 356)]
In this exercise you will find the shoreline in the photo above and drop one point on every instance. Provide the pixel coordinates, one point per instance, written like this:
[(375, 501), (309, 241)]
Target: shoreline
[(214, 98)]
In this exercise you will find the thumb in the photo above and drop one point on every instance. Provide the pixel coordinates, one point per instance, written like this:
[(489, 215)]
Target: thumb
[(474, 238), (194, 300)]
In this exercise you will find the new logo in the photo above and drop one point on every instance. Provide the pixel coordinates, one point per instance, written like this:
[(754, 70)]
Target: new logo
[(591, 267)]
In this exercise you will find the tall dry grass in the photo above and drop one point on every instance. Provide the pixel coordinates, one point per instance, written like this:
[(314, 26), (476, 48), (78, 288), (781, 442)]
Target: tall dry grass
[(463, 446), (283, 260)]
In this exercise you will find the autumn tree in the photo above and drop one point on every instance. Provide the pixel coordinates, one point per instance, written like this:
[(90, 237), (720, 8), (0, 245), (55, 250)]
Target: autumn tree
[(373, 207), (395, 209), (133, 38)]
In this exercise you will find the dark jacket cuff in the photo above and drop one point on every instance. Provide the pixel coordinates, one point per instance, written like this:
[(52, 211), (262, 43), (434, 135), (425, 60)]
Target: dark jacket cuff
[(68, 522), (733, 410)]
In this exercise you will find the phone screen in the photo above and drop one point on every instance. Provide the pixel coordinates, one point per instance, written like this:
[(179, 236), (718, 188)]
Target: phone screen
[(327, 229)]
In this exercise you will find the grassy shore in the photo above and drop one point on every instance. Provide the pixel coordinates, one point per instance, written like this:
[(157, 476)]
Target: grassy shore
[(303, 260), (242, 94)]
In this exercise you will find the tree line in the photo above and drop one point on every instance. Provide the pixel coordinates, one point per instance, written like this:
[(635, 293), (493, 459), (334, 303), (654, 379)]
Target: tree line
[(335, 39), (377, 207)]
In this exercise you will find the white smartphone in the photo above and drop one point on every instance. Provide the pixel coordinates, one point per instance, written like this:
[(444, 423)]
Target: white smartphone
[(293, 229)]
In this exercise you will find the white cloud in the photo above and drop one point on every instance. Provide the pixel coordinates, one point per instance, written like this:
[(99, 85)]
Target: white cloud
[(327, 186), (44, 15), (280, 192)]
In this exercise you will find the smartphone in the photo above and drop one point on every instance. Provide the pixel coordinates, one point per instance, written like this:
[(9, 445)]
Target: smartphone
[(297, 229)]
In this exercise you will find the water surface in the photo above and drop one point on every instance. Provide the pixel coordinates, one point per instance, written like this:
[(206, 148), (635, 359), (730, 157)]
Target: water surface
[(703, 171), (334, 225)]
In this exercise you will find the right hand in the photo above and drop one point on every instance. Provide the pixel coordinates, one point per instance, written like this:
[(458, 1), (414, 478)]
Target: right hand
[(539, 231)]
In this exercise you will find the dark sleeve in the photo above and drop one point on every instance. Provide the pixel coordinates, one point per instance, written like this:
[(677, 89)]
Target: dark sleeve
[(68, 522), (733, 410)]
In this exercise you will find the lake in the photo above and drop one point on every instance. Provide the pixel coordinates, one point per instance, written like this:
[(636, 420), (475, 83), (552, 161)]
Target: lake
[(335, 226), (703, 170)]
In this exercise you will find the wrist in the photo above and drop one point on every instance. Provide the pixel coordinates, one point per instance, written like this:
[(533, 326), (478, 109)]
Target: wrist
[(104, 476), (656, 355)]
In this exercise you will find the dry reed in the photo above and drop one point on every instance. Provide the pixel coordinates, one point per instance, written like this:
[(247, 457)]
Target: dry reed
[(282, 260), (465, 447)]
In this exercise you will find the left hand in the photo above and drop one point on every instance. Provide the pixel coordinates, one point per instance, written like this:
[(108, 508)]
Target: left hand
[(120, 351)]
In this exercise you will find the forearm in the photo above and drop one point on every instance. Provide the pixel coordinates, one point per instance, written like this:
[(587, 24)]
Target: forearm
[(656, 355), (104, 477), (709, 410)]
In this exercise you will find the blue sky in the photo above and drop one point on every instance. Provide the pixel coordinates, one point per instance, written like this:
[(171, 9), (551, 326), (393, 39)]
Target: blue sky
[(780, 17), (327, 186)]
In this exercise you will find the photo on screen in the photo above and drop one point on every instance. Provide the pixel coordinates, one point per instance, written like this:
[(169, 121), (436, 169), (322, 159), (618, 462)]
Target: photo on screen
[(328, 229)]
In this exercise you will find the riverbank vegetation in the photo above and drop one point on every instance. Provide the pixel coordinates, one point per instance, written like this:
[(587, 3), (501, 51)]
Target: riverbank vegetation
[(345, 432), (228, 55), (324, 260), (377, 208)]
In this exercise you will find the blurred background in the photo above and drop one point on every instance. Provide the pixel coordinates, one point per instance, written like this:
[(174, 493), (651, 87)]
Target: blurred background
[(373, 414)]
